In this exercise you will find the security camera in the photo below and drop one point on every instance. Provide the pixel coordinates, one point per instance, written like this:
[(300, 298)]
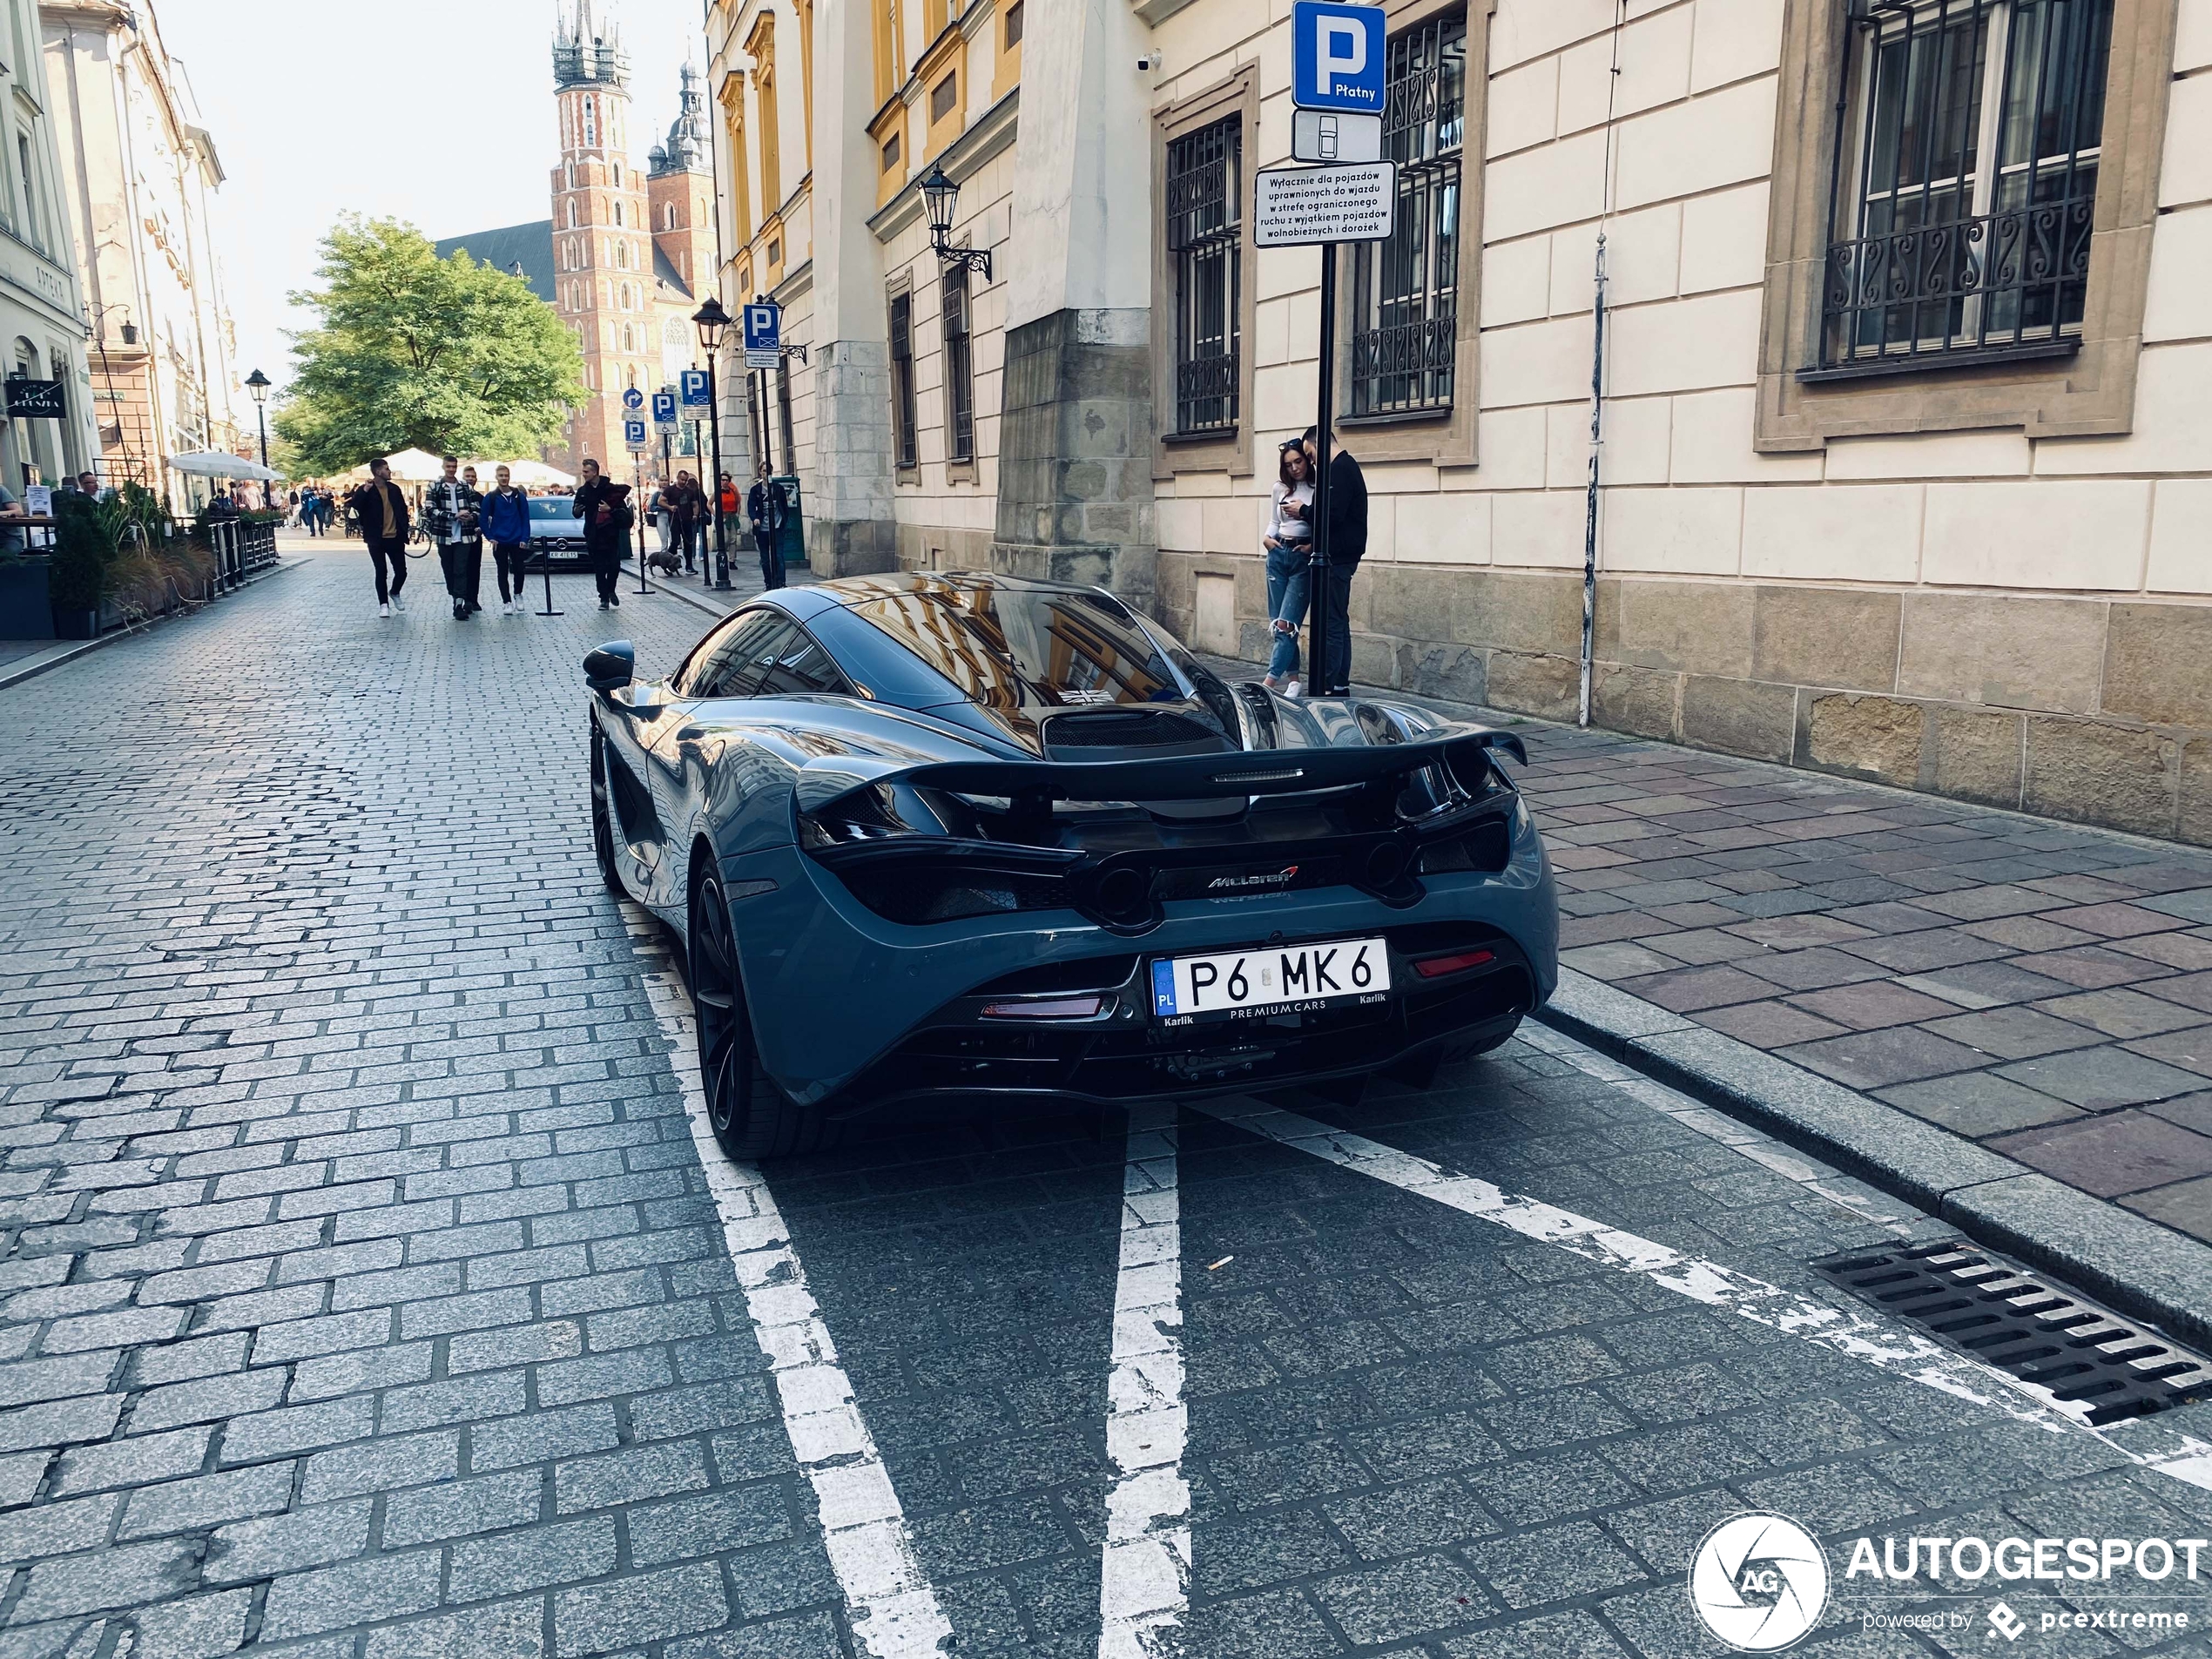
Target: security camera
[(1150, 62)]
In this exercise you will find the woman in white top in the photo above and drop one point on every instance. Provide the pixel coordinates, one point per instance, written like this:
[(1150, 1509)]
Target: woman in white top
[(1289, 545)]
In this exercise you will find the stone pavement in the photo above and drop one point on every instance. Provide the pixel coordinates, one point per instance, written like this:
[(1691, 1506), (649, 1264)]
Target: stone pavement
[(362, 1297), (2043, 988)]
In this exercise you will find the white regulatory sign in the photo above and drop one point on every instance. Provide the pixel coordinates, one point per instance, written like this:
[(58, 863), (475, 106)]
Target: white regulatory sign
[(1299, 206), (1325, 135)]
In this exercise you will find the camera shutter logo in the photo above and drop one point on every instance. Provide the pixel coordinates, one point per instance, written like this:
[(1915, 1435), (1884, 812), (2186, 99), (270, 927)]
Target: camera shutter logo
[(1759, 1582)]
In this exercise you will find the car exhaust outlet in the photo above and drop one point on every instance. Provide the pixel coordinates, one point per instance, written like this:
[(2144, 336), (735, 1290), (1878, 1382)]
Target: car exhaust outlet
[(1125, 895), (1385, 864)]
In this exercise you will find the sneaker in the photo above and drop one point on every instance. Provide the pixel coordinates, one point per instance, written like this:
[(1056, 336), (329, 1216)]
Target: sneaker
[(399, 604), (460, 611), (614, 599), (1293, 689), (384, 610), (602, 604)]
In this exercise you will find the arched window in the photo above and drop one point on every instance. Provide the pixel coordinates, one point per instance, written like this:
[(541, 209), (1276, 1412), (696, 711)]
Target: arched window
[(571, 215), (572, 175), (628, 338), (618, 187), (618, 220), (590, 125)]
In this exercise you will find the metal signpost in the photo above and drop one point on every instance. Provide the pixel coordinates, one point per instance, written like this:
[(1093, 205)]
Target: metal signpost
[(1337, 89), (634, 440), (695, 386), (664, 423), (763, 350)]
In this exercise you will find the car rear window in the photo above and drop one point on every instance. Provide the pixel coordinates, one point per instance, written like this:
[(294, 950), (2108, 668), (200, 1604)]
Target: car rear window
[(1012, 649)]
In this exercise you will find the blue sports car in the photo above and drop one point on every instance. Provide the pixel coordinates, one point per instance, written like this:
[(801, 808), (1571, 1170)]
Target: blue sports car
[(971, 835)]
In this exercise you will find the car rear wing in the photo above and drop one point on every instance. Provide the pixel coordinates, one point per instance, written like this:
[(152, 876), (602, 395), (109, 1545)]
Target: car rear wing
[(1462, 750)]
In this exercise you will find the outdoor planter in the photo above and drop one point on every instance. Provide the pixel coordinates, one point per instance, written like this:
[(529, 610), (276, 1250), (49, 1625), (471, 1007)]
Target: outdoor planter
[(24, 612), (75, 624)]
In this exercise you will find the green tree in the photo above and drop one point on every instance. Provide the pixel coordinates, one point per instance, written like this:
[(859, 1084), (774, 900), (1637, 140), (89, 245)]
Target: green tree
[(447, 356)]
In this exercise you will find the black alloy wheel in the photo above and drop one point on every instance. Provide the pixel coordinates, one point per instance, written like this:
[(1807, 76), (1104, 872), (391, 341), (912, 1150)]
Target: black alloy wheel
[(603, 824), (751, 1116)]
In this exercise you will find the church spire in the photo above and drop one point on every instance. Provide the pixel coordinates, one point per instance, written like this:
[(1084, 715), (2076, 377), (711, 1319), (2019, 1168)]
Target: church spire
[(588, 52)]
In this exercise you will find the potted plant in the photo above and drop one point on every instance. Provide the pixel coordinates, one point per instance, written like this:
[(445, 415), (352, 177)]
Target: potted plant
[(87, 535), (24, 609)]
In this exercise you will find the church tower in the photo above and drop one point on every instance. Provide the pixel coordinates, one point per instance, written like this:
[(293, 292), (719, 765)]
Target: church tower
[(602, 247)]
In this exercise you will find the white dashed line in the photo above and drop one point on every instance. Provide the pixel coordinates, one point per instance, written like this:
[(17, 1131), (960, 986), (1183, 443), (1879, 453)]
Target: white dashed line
[(893, 1607), (1874, 1341), (1144, 1573)]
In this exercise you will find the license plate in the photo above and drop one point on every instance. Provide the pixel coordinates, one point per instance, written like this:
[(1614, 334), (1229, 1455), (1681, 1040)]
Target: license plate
[(1270, 980)]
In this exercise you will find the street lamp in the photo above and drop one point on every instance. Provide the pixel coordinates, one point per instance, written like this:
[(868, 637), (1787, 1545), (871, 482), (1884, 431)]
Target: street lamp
[(257, 383), (713, 322), (940, 196)]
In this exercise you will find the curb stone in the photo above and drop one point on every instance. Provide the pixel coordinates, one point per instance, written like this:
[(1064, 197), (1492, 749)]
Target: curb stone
[(2128, 1261)]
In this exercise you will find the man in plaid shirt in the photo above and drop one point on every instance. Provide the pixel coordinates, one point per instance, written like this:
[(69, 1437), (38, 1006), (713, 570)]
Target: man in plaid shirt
[(450, 514)]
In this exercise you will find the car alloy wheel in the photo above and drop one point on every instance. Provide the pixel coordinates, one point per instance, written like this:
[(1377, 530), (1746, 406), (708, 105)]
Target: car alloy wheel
[(602, 825), (750, 1116)]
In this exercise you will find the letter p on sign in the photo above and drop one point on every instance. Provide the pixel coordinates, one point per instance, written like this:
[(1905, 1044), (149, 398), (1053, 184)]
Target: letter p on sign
[(1336, 57)]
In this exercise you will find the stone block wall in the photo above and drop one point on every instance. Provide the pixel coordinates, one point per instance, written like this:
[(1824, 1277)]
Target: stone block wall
[(2090, 709)]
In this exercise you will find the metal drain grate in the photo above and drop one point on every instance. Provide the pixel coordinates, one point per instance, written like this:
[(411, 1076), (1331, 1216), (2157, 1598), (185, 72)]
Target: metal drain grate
[(2082, 1355)]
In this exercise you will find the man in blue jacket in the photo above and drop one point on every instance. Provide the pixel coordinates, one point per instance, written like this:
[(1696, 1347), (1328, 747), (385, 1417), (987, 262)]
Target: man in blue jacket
[(505, 516)]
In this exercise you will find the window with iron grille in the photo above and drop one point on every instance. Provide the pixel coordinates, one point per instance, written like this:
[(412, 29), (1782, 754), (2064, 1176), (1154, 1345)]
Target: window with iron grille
[(902, 379), (1406, 291), (960, 372), (1206, 242), (1965, 178)]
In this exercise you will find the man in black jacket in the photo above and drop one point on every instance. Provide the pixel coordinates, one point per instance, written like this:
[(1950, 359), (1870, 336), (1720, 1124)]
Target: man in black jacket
[(382, 508), (602, 504), (766, 506), (1347, 545)]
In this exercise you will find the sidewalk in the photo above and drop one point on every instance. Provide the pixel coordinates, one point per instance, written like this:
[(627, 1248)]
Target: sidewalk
[(2040, 993)]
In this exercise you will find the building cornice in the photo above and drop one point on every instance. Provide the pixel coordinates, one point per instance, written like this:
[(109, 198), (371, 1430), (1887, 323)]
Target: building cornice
[(993, 131)]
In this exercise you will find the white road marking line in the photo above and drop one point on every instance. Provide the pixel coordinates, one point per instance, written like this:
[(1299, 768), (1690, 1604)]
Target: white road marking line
[(1860, 1336), (893, 1607), (1144, 1572)]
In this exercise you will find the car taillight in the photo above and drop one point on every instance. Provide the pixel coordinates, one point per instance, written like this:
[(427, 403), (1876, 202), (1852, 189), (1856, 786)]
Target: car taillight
[(1059, 1007), (1441, 967)]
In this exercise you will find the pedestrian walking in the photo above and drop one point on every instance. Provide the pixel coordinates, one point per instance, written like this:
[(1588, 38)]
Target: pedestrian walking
[(766, 506), (1347, 546), (505, 518), (1289, 543), (664, 520), (604, 508), (381, 512), (727, 502), (449, 509), (691, 514)]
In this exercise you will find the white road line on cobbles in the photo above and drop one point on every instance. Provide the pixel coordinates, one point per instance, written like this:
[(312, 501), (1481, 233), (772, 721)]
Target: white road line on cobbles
[(1863, 1202), (893, 1607), (1875, 1342), (1144, 1572)]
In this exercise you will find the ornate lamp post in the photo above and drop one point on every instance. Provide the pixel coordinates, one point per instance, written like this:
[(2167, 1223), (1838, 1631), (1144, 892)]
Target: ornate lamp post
[(712, 322), (939, 197), (257, 383)]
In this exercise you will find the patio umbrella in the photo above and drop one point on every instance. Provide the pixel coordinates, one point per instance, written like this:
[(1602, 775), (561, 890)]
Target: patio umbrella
[(416, 467), (220, 463), (525, 475)]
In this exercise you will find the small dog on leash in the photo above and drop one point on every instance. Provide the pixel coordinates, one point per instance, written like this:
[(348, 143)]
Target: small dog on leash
[(668, 563)]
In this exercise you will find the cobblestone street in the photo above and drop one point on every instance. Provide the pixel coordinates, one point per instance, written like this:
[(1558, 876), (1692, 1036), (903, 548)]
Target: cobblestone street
[(364, 1293)]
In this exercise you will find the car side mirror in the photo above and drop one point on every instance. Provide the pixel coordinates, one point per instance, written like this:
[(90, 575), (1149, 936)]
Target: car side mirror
[(610, 667)]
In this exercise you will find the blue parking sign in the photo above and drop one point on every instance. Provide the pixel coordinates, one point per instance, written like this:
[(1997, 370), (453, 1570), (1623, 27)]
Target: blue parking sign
[(1337, 58), (693, 383), (763, 323), (664, 411)]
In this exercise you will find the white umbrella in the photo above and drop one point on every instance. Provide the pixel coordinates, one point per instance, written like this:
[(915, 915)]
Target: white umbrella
[(526, 475), (416, 467), (220, 463)]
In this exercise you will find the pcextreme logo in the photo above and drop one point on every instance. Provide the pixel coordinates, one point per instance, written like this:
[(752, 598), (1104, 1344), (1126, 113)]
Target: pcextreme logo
[(1759, 1582)]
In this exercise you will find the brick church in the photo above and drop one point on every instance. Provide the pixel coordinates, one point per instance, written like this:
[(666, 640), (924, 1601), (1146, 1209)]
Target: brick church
[(628, 255)]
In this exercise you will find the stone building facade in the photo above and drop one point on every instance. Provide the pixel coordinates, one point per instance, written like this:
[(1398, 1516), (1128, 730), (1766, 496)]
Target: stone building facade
[(1906, 464)]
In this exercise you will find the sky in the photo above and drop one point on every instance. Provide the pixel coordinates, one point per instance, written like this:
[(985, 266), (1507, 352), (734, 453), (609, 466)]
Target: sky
[(435, 111)]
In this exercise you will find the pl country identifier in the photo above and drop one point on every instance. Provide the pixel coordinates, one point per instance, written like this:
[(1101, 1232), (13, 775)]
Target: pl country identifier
[(1301, 207)]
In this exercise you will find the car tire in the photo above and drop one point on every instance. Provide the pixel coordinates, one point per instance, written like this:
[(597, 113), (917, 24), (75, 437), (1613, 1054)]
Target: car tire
[(752, 1117), (603, 824)]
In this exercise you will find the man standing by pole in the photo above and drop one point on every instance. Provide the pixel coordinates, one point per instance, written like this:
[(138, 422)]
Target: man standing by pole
[(764, 506), (1340, 522), (606, 528)]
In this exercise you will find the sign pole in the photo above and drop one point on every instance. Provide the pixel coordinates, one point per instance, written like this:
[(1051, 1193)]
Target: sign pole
[(1318, 596), (639, 471)]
